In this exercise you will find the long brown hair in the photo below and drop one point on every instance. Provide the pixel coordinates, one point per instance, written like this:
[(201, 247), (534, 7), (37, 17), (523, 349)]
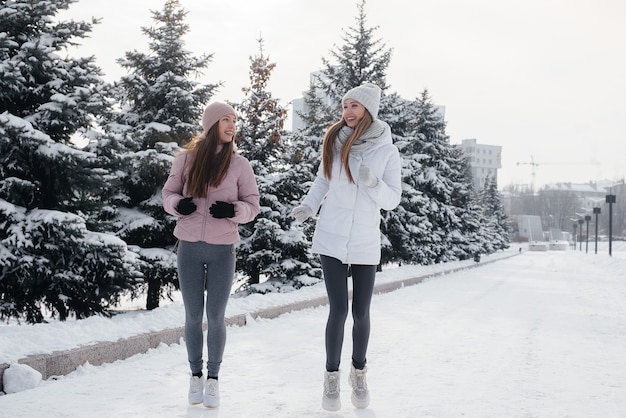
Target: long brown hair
[(329, 144), (208, 167)]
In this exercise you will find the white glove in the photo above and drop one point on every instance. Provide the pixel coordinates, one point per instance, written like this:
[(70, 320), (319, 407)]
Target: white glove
[(301, 213), (366, 177)]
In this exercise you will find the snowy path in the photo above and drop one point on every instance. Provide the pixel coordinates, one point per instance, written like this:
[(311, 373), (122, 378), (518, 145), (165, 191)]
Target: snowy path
[(539, 335)]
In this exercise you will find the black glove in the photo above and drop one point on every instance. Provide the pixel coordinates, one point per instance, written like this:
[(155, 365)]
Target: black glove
[(186, 206), (222, 210)]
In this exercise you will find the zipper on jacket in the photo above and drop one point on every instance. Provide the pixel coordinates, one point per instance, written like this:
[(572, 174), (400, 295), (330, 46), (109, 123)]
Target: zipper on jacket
[(206, 213), (356, 196)]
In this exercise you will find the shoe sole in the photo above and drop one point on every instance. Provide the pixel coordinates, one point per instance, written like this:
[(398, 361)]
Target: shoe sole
[(330, 405), (358, 403), (211, 404)]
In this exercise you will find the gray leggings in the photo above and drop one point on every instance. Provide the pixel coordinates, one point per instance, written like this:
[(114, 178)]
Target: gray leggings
[(209, 267), (336, 280)]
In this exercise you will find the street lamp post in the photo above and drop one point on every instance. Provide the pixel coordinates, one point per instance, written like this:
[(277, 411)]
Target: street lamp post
[(550, 228), (574, 226), (587, 219), (580, 233), (610, 199), (596, 211)]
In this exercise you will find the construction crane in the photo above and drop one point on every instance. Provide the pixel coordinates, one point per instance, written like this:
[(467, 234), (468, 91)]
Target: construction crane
[(534, 164)]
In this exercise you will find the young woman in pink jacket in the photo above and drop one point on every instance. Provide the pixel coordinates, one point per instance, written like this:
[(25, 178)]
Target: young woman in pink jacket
[(211, 190)]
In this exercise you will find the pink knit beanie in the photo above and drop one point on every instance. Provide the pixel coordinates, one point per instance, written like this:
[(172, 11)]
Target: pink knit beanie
[(214, 112)]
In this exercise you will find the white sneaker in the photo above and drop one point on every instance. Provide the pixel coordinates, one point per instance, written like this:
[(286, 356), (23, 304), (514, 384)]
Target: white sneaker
[(331, 401), (360, 394), (211, 393), (196, 385)]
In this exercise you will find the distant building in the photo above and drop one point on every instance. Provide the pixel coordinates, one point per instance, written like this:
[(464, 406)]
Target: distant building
[(591, 194), (484, 160), (298, 105)]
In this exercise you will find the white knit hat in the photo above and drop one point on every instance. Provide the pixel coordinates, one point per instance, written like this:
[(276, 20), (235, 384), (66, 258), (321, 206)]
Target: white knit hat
[(368, 95), (214, 112)]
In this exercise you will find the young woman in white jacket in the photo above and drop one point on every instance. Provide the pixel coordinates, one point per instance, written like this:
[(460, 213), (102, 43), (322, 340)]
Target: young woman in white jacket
[(359, 175)]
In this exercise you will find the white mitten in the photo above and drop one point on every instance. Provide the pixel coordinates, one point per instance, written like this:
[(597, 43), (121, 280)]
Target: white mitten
[(301, 213), (367, 177)]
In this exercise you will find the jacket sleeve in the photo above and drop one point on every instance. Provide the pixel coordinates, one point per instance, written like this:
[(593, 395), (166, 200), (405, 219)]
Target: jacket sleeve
[(388, 191), (247, 206), (317, 192), (172, 191)]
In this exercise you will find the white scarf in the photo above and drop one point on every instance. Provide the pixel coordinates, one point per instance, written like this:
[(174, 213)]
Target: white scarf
[(372, 136)]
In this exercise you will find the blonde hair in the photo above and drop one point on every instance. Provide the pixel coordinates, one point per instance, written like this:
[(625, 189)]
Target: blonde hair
[(208, 167), (329, 144)]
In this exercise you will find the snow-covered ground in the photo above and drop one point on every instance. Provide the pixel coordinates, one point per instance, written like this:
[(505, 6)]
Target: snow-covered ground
[(542, 334)]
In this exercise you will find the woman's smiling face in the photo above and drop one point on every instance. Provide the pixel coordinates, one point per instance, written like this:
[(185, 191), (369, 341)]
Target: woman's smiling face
[(353, 112), (227, 128)]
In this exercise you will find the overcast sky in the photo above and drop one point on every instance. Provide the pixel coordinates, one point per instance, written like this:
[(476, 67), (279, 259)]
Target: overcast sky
[(544, 79)]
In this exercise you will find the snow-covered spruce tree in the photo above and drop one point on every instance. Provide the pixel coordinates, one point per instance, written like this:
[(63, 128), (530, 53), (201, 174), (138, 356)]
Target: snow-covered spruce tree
[(398, 113), (430, 220), (273, 245), (407, 228), (161, 105), (269, 246), (474, 226), (462, 228), (261, 118), (317, 116), (360, 58), (55, 95), (51, 261), (50, 190), (497, 222)]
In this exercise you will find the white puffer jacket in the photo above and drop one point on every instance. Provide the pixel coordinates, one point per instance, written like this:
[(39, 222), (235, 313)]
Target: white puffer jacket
[(348, 227)]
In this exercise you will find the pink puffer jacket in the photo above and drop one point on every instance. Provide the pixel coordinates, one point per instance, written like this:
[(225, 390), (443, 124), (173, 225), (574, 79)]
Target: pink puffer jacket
[(238, 187)]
